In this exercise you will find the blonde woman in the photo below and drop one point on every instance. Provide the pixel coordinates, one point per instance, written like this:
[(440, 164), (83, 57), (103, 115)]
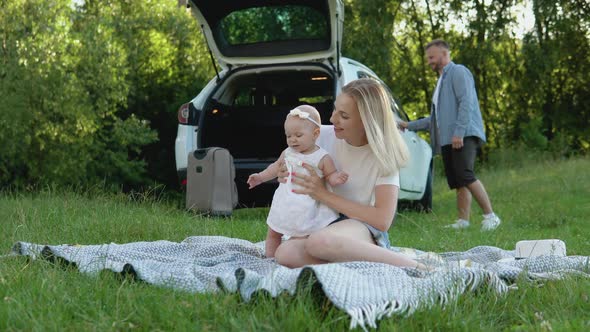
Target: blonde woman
[(365, 143)]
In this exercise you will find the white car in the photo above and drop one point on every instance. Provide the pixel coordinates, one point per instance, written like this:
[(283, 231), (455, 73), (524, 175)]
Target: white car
[(275, 55)]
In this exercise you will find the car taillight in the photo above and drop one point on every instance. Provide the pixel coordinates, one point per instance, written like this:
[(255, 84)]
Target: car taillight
[(183, 114)]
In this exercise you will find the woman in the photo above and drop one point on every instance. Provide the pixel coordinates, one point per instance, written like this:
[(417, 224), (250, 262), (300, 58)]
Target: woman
[(366, 144)]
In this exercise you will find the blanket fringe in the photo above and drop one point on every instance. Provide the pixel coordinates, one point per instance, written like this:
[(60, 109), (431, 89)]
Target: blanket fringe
[(369, 314), (476, 278), (470, 280)]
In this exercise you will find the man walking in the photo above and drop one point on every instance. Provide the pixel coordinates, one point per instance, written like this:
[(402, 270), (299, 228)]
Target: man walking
[(456, 131)]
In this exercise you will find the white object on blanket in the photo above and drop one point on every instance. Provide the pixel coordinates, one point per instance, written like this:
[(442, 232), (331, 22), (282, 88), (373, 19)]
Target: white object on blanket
[(534, 248)]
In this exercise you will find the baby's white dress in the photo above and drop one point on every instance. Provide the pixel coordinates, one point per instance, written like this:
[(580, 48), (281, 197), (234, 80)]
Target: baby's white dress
[(294, 214)]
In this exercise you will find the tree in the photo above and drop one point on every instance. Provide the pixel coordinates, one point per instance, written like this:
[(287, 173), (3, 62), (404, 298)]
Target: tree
[(557, 58), (67, 84), (166, 64), (51, 121), (368, 27)]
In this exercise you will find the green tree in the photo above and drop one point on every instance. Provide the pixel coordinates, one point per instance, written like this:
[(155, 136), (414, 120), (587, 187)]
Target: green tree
[(367, 37), (166, 64), (415, 25), (39, 48), (557, 60), (487, 51), (274, 23), (15, 115), (65, 80)]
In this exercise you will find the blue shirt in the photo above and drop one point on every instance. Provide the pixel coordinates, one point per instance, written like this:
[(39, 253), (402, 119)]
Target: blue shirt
[(457, 110)]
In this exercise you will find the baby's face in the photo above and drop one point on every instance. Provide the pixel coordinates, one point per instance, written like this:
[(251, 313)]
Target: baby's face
[(301, 134)]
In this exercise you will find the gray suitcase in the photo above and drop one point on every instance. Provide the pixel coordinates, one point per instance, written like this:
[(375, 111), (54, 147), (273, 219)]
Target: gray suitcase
[(211, 186)]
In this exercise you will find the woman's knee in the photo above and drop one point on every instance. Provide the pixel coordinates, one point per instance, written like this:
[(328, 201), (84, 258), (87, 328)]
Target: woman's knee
[(322, 243)]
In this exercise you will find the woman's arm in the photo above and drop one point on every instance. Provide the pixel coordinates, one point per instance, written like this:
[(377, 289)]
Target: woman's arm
[(379, 216)]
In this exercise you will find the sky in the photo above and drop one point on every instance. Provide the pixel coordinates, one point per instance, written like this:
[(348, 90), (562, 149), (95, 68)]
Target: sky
[(526, 19)]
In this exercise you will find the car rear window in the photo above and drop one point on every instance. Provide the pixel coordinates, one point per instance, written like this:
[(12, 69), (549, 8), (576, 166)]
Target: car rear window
[(274, 23)]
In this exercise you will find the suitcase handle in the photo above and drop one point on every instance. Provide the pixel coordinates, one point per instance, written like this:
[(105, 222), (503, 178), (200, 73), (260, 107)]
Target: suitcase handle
[(200, 153)]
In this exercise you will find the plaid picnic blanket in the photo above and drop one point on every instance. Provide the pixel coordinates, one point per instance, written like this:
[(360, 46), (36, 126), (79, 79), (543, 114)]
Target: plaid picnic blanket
[(366, 291)]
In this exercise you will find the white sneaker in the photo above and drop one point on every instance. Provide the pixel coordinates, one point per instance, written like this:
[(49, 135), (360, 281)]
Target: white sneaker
[(489, 223), (459, 224)]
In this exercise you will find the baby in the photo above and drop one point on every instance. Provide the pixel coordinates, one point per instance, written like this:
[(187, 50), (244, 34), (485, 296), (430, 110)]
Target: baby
[(292, 214)]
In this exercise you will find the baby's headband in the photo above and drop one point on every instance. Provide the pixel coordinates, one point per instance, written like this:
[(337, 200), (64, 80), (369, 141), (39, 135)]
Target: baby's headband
[(303, 115)]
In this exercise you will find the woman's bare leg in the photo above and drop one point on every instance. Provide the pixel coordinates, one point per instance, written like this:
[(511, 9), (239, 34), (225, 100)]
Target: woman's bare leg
[(345, 241), (350, 240), (292, 254)]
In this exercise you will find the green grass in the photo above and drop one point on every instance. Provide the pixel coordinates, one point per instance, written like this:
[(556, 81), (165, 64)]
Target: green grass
[(545, 199)]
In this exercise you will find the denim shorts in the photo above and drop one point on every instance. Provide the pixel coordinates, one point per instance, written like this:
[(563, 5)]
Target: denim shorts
[(381, 238)]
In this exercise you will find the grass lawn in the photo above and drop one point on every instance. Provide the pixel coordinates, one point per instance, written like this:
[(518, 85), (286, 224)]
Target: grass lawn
[(545, 199)]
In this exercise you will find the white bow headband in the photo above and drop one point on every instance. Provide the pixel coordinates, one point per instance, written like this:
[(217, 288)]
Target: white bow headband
[(303, 115)]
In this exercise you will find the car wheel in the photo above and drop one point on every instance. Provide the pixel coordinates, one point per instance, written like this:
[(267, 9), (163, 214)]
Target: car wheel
[(425, 203)]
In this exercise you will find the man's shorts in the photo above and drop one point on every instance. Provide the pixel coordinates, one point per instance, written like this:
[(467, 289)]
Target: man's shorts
[(381, 238), (458, 163)]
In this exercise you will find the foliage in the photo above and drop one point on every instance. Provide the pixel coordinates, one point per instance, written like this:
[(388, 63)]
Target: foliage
[(557, 60), (367, 34), (273, 23), (72, 87), (479, 39), (84, 85), (541, 75), (90, 89), (167, 63)]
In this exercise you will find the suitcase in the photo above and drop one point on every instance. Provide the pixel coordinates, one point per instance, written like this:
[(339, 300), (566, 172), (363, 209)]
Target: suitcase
[(211, 186)]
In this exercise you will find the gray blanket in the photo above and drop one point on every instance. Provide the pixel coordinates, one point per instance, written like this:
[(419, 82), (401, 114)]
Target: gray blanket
[(366, 291)]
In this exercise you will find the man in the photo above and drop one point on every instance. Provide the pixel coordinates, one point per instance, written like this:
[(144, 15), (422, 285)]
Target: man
[(456, 131)]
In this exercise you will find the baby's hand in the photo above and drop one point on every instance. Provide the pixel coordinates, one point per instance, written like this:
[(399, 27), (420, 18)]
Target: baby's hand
[(254, 180), (338, 178)]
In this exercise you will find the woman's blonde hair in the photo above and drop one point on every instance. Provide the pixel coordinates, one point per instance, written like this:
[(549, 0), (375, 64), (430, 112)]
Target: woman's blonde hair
[(385, 140)]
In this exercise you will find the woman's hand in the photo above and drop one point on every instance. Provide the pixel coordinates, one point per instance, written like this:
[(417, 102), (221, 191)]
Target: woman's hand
[(311, 185)]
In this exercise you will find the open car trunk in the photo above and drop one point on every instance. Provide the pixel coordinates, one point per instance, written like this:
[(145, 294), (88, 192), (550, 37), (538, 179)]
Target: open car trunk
[(246, 115), (253, 32)]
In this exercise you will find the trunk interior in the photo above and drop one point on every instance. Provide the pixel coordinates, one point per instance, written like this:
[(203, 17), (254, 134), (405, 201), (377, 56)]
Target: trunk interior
[(246, 116)]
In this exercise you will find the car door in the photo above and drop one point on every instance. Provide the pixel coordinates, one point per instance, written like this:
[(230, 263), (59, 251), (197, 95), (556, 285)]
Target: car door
[(413, 177)]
